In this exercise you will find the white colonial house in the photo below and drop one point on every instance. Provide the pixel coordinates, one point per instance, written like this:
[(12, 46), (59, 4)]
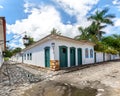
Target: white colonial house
[(57, 51), (2, 38)]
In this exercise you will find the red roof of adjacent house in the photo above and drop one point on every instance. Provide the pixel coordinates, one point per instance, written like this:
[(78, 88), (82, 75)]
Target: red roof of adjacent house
[(4, 31)]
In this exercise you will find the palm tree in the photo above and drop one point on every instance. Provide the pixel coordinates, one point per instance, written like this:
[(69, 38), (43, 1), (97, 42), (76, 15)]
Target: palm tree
[(84, 34), (90, 32), (93, 30), (54, 31), (101, 18), (116, 36)]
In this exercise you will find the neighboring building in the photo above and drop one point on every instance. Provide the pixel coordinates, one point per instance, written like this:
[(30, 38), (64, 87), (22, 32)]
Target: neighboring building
[(2, 38), (57, 51)]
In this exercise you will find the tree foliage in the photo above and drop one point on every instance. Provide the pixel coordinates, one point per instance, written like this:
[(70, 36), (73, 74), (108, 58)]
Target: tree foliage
[(101, 19), (112, 41), (54, 31), (100, 47), (30, 41), (9, 52), (84, 34), (16, 50), (94, 32)]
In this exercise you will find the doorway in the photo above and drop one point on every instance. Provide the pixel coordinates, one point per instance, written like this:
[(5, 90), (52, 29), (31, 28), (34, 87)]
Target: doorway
[(63, 56), (79, 51), (47, 56), (72, 56)]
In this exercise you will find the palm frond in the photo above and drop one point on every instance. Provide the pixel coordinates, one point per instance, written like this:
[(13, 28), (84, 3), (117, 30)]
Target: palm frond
[(116, 36), (110, 16), (108, 21), (104, 11), (103, 26)]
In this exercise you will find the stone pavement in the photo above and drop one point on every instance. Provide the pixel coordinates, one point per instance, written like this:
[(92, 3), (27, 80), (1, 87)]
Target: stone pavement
[(23, 75)]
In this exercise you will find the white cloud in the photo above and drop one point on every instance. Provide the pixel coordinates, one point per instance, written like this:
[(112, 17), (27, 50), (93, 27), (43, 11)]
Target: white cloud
[(117, 22), (77, 7), (113, 29), (1, 7), (40, 23), (108, 29), (117, 4), (43, 18), (28, 6)]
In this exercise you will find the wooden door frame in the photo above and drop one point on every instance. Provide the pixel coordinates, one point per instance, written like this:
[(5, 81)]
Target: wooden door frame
[(74, 56), (60, 47), (78, 56), (45, 55)]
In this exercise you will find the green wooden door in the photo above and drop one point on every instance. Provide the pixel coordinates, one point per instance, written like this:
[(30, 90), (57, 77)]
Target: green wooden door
[(72, 56), (95, 57), (79, 56), (103, 56), (63, 56), (47, 57)]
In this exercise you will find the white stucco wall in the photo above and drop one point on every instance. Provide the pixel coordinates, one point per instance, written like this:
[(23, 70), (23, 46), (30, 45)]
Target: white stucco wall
[(112, 57), (107, 57), (38, 56), (99, 56), (76, 45), (1, 40), (116, 56), (17, 58), (1, 57), (1, 60)]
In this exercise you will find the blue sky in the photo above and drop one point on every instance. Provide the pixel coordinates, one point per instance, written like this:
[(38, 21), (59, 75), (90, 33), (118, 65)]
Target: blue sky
[(38, 17)]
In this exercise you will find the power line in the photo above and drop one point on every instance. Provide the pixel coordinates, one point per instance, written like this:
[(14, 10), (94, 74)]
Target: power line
[(14, 38)]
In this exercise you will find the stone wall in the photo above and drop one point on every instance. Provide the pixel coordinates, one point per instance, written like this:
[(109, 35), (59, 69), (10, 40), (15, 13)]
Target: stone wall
[(13, 74), (54, 65)]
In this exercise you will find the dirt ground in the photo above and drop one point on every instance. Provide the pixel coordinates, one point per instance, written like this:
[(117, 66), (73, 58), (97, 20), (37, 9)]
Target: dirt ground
[(100, 80)]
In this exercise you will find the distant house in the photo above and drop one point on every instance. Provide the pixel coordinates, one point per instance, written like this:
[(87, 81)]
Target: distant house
[(2, 38), (57, 51)]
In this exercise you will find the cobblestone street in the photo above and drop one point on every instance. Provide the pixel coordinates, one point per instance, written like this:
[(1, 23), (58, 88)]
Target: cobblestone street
[(24, 79)]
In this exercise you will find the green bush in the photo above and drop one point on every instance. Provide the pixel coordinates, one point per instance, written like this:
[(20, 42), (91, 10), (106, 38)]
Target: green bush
[(100, 47), (6, 58), (111, 51)]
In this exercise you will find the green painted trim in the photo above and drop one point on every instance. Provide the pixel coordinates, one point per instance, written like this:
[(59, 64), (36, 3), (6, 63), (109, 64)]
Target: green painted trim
[(103, 56), (47, 48), (66, 55), (95, 57), (71, 64), (79, 62)]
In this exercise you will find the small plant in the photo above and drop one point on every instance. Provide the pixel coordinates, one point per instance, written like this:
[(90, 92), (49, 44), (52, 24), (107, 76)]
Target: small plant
[(6, 59)]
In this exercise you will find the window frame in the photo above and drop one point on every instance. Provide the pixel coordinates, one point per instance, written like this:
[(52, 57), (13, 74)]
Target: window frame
[(27, 56), (30, 56), (86, 53), (24, 56), (91, 53)]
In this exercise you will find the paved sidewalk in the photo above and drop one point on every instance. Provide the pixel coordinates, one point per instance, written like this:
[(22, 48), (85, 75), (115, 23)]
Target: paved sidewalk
[(31, 70), (36, 70)]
